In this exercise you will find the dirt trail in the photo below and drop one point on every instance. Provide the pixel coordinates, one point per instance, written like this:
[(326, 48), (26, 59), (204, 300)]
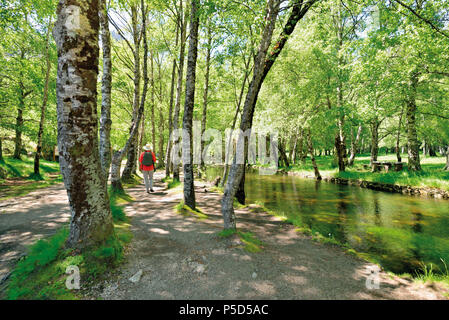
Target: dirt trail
[(182, 257), (27, 219)]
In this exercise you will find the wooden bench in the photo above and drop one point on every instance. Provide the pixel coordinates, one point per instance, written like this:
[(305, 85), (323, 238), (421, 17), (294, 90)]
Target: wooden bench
[(377, 166)]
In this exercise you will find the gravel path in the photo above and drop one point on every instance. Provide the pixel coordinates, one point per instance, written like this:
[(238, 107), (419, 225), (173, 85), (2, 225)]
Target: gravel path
[(178, 257)]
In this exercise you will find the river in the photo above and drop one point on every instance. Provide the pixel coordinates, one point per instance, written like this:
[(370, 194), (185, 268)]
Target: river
[(399, 232)]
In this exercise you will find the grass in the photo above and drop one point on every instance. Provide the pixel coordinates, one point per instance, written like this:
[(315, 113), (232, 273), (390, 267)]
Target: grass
[(185, 210), (251, 243), (42, 273), (431, 176), (21, 179)]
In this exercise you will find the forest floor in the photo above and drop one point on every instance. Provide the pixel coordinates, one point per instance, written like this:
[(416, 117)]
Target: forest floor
[(173, 256)]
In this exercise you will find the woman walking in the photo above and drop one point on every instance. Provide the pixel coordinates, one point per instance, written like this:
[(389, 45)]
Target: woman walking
[(147, 162)]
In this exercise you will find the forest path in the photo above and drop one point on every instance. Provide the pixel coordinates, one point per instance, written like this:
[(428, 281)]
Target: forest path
[(181, 257), (24, 220)]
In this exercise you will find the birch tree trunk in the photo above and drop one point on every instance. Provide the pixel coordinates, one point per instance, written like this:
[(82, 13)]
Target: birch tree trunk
[(153, 124), (206, 88), (105, 118), (19, 120), (161, 118), (44, 104), (355, 146), (170, 113), (262, 66), (118, 155), (414, 163), (180, 78), (398, 137), (340, 140), (446, 168), (78, 54), (234, 121), (130, 166), (187, 123), (374, 140), (312, 156)]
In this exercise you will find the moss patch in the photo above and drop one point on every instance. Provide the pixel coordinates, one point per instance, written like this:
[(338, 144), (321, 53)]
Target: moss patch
[(185, 210)]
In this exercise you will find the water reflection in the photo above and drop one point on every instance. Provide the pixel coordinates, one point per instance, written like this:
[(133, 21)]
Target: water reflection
[(397, 231)]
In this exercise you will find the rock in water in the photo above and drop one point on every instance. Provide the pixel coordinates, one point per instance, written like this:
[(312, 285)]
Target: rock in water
[(136, 278)]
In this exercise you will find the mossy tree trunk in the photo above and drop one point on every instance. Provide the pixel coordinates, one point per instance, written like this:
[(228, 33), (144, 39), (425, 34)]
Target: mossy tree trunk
[(76, 34)]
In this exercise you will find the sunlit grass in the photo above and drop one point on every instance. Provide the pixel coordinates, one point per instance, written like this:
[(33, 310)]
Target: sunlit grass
[(21, 179), (431, 176), (185, 210)]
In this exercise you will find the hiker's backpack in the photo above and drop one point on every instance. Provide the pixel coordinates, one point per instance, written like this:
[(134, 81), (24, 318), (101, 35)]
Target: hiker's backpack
[(148, 159)]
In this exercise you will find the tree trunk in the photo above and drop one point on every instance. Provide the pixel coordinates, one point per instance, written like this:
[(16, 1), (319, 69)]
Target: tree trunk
[(281, 148), (118, 155), (340, 140), (180, 79), (168, 161), (106, 82), (446, 168), (262, 66), (312, 156), (206, 88), (398, 137), (355, 146), (44, 104), (414, 163), (234, 122), (130, 167), (374, 140), (153, 89), (161, 119), (187, 123), (19, 120), (1, 150), (91, 221)]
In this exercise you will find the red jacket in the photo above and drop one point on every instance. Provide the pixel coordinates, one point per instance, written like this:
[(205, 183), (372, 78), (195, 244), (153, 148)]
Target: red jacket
[(146, 168)]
